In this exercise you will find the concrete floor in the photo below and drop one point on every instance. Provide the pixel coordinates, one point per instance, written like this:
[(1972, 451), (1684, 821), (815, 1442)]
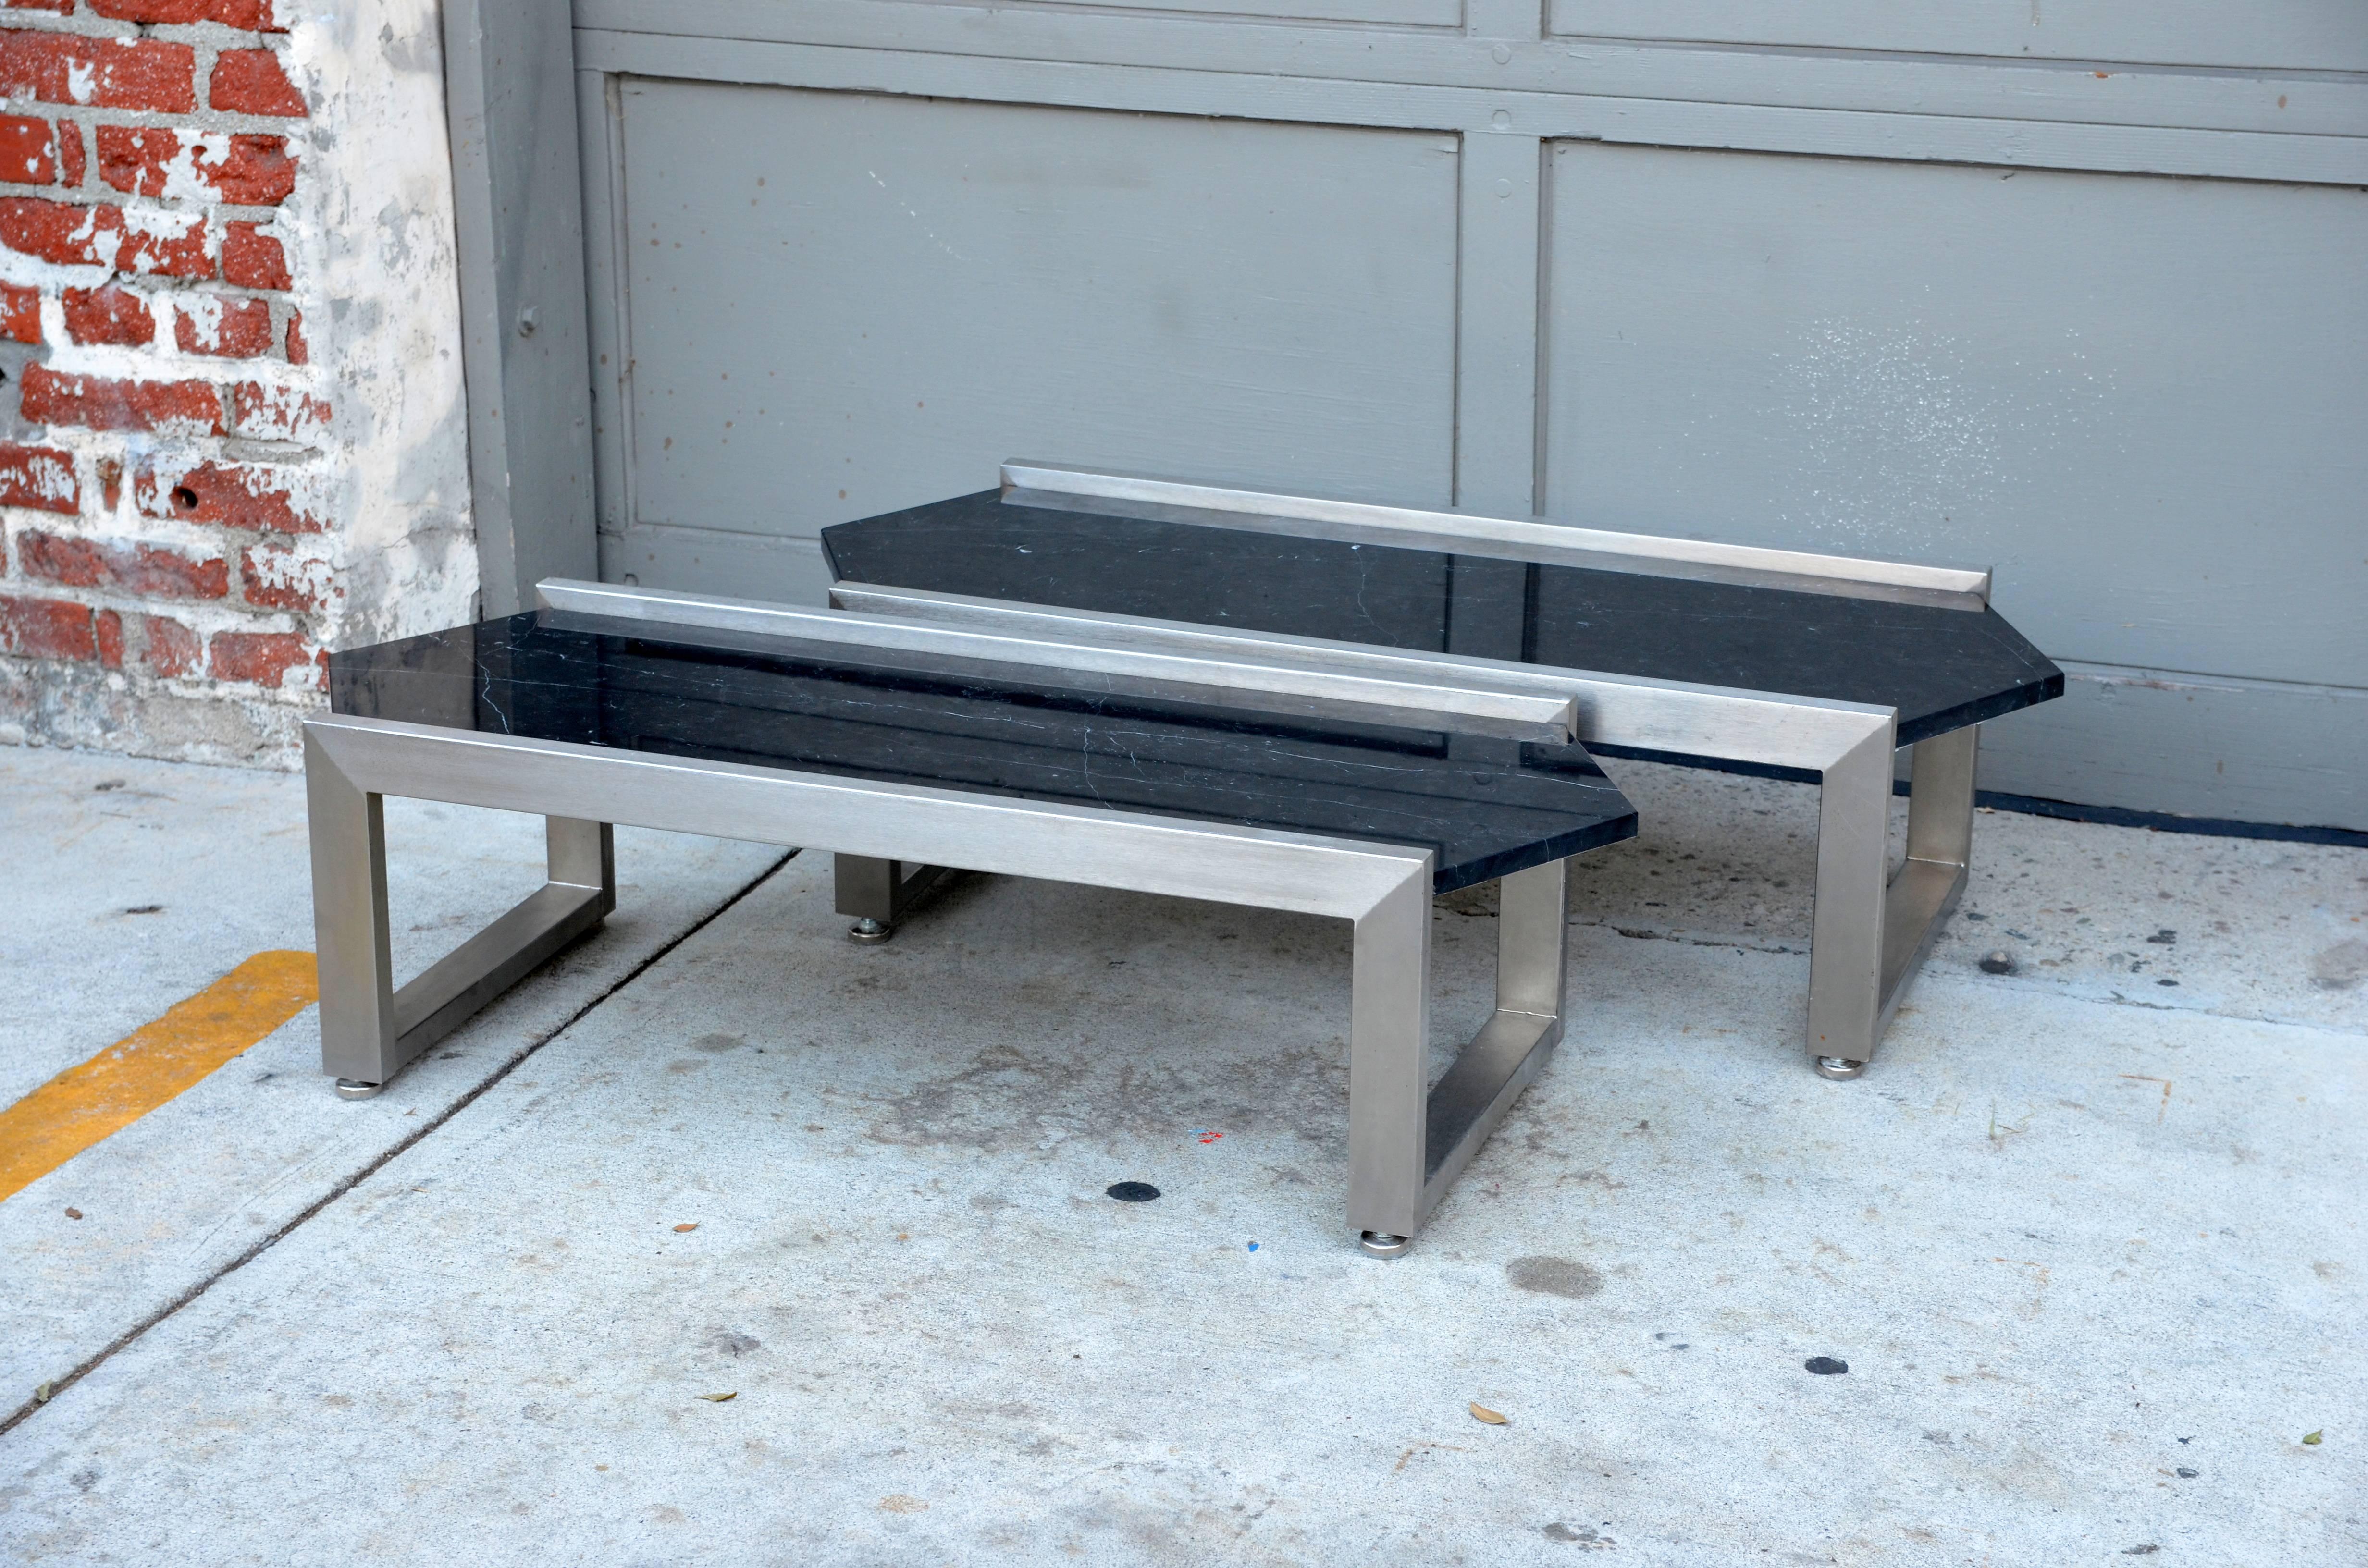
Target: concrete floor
[(2090, 1243), (214, 862)]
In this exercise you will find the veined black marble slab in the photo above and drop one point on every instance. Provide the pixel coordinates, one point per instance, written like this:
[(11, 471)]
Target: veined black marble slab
[(1493, 808), (1942, 669)]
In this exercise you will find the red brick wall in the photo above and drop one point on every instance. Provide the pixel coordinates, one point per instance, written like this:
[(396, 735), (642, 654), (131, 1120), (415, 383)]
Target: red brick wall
[(158, 419)]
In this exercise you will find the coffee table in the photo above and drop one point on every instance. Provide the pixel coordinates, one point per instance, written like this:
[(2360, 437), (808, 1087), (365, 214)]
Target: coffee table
[(1193, 775), (1774, 662)]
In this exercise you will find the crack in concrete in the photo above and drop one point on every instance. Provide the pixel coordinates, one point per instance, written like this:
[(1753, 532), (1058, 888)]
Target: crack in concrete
[(47, 1393)]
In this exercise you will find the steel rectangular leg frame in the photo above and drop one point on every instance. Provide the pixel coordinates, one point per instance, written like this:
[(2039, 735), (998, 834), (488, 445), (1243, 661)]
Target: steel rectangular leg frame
[(1405, 1146), (1871, 929), (370, 1027)]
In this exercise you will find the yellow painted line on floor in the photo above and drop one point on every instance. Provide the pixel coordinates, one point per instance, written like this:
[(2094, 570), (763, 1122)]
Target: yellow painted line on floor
[(151, 1064)]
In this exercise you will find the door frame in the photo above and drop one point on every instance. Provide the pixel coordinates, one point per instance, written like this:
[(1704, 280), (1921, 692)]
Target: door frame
[(517, 190)]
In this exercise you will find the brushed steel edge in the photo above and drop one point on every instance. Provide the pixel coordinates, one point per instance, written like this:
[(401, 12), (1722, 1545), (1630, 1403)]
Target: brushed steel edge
[(1526, 534), (1615, 710), (1239, 676), (1090, 845)]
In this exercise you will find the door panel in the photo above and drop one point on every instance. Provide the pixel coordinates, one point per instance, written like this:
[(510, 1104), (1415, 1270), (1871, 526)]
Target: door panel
[(2144, 402), (840, 304), (2301, 34)]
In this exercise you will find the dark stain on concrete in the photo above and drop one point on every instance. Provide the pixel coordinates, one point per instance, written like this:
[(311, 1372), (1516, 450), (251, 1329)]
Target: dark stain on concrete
[(731, 1342), (2340, 967), (1554, 1276), (1009, 1098)]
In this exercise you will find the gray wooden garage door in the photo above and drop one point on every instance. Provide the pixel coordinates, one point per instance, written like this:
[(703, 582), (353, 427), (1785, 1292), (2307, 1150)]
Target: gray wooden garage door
[(2076, 291)]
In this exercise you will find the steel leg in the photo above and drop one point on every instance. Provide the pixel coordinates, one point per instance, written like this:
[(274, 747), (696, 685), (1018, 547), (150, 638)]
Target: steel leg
[(1846, 941), (349, 926), (1871, 936), (1473, 1096), (1480, 1086), (1940, 850), (369, 1027), (1389, 1038), (877, 892)]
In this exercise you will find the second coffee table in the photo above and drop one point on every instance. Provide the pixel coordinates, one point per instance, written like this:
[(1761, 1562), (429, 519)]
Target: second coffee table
[(1781, 662)]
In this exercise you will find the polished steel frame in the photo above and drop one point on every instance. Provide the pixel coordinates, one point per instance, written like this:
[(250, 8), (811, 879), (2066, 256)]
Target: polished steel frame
[(370, 1026), (1077, 659), (1405, 1146), (1472, 533), (1870, 928)]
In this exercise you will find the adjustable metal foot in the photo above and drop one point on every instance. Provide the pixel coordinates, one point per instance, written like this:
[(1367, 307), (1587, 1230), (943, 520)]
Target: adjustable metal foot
[(1838, 1067), (1383, 1245), (354, 1089), (878, 892)]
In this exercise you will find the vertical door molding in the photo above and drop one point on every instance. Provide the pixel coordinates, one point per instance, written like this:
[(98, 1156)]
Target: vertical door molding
[(1497, 322), (1496, 281), (601, 120), (510, 78)]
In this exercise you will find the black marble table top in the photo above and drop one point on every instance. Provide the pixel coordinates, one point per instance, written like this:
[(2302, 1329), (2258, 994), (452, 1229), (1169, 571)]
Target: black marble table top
[(1941, 667), (1489, 808)]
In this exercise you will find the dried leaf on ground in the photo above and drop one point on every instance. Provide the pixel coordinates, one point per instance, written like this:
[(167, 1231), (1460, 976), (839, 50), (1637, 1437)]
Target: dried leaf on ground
[(1482, 1413), (720, 1398), (691, 1225), (2312, 1438)]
